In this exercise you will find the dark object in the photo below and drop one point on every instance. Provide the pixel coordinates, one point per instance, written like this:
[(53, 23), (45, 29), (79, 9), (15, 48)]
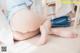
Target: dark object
[(61, 22), (3, 49)]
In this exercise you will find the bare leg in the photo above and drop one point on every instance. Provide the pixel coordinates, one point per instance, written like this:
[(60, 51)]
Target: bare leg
[(45, 29), (21, 36), (63, 32), (26, 22)]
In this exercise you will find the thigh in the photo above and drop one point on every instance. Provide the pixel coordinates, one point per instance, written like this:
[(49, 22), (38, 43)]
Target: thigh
[(25, 20), (27, 35), (58, 30)]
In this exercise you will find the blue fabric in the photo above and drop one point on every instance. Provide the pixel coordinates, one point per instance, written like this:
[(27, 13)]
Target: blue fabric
[(61, 22)]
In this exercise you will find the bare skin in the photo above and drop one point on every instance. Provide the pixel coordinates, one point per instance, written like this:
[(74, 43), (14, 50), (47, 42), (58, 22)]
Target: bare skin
[(25, 24), (62, 32), (21, 23), (47, 30)]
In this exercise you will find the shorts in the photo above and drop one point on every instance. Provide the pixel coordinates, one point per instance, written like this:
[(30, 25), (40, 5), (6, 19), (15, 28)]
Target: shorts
[(61, 22)]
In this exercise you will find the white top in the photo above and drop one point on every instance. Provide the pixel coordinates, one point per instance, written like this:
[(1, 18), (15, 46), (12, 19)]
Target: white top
[(15, 5)]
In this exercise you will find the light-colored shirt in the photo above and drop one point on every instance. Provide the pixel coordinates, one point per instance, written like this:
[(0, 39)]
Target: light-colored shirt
[(15, 5)]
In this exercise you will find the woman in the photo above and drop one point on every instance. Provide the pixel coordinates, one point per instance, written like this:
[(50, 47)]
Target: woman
[(25, 23)]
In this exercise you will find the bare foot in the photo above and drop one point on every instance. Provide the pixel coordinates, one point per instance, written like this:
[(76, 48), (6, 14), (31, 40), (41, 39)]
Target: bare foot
[(43, 40), (64, 32), (67, 34)]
